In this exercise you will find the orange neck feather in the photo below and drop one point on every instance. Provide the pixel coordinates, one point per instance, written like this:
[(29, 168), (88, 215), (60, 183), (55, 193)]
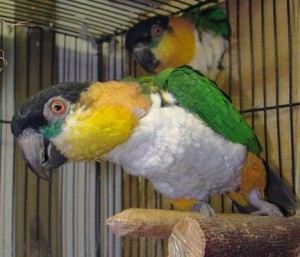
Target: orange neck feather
[(177, 46)]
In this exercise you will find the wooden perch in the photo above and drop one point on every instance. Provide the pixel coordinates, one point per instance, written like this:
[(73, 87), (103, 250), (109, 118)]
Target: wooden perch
[(187, 239), (193, 235), (150, 223)]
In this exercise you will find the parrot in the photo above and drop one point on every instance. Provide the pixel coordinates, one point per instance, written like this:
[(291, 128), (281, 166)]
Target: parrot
[(197, 38), (176, 129)]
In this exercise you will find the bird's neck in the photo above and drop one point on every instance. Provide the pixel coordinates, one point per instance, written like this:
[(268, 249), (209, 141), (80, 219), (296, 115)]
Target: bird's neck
[(210, 49)]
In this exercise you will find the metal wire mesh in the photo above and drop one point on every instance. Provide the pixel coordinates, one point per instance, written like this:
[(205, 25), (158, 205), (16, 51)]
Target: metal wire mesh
[(67, 217), (95, 19)]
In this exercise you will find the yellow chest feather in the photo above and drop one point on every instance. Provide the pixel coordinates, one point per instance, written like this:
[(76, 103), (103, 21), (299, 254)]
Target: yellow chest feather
[(101, 120)]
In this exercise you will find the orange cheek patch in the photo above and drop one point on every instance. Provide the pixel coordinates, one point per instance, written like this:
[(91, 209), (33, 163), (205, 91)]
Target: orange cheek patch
[(177, 46)]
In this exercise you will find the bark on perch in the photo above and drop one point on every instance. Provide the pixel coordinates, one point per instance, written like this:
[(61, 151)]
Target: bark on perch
[(226, 235)]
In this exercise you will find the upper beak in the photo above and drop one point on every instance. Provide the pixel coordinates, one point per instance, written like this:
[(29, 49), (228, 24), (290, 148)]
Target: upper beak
[(39, 153), (145, 57)]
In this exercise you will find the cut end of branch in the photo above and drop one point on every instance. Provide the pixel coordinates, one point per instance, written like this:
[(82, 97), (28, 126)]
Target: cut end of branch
[(187, 239)]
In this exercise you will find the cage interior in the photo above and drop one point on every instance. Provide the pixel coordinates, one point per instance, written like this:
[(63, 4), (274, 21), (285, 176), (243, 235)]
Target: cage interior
[(48, 42)]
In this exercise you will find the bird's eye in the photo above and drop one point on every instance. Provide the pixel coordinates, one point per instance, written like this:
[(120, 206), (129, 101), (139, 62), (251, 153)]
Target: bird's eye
[(156, 30), (58, 107)]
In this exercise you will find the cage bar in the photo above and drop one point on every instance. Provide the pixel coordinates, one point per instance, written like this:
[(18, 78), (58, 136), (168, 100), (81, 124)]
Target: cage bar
[(79, 41)]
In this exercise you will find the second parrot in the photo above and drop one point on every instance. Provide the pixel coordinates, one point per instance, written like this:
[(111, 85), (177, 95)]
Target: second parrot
[(197, 38)]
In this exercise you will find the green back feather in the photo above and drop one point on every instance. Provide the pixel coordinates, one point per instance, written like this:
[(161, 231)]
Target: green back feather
[(211, 18), (201, 96)]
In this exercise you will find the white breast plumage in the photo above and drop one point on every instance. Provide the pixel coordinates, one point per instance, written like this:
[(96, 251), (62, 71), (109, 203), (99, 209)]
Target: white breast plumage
[(180, 155), (209, 53)]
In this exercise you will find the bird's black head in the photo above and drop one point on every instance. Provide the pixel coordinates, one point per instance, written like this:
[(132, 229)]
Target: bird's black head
[(145, 32), (37, 149), (143, 37)]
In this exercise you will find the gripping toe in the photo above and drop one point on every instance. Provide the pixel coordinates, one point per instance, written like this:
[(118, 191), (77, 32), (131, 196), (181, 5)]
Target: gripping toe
[(204, 208), (263, 207)]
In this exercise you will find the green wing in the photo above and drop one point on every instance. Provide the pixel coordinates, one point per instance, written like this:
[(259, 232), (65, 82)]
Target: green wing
[(201, 96), (211, 18)]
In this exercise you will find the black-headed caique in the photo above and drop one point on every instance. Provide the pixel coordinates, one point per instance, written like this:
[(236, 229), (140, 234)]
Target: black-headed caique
[(176, 129), (197, 38)]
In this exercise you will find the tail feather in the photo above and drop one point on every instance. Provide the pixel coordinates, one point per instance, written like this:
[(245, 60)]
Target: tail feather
[(277, 192)]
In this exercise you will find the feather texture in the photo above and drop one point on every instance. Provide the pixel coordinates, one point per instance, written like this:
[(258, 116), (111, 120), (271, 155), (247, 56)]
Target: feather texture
[(210, 17), (201, 96), (197, 38), (103, 118), (179, 154), (176, 129)]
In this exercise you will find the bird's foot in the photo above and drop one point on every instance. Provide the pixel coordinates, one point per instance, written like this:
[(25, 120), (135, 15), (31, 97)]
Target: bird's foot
[(204, 208), (264, 207)]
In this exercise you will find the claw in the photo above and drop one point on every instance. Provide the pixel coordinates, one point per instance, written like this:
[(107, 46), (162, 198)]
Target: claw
[(264, 207)]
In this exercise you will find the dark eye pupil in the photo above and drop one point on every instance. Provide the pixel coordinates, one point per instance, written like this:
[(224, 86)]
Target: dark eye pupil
[(57, 107), (156, 30)]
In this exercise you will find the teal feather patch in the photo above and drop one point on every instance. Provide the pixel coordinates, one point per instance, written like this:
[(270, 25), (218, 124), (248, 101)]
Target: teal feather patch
[(52, 130)]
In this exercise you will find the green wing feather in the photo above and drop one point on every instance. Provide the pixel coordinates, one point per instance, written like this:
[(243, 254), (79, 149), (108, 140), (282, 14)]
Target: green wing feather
[(211, 18), (201, 96)]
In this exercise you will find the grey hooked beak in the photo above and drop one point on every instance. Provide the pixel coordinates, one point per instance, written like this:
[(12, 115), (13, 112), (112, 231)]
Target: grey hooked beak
[(39, 153), (145, 57)]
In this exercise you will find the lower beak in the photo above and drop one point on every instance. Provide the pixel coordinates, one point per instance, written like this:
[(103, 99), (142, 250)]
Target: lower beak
[(39, 153)]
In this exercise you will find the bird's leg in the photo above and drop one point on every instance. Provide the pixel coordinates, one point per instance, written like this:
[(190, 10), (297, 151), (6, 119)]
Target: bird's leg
[(264, 207), (204, 208)]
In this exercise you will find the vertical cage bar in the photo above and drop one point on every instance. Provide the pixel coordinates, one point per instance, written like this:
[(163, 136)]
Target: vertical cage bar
[(13, 228), (1, 80), (111, 177), (26, 168), (227, 5), (118, 66), (264, 79), (290, 79), (62, 56), (99, 202), (252, 62), (239, 62), (277, 86), (37, 221), (7, 82), (85, 199), (74, 177), (52, 65), (2, 216)]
